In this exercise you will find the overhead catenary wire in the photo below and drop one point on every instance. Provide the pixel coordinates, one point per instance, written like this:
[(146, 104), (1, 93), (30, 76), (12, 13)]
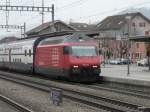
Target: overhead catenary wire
[(100, 13), (79, 2), (8, 15), (114, 10), (70, 5)]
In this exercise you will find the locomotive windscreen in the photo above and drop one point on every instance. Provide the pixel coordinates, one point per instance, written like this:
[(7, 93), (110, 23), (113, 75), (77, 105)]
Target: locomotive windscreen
[(81, 50), (84, 51)]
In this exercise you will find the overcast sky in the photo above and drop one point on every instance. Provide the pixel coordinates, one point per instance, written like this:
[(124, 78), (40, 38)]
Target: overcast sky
[(89, 11)]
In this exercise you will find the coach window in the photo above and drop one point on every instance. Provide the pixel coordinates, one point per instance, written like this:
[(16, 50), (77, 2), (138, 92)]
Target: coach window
[(25, 52), (29, 52)]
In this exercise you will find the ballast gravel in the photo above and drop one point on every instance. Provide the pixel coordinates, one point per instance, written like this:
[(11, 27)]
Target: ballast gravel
[(40, 101), (68, 105), (4, 107)]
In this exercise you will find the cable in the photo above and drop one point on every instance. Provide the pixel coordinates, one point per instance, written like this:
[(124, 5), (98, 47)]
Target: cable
[(101, 13), (71, 4), (96, 14)]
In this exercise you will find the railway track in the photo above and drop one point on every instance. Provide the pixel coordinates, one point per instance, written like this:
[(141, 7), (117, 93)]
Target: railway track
[(107, 104), (121, 90), (14, 104)]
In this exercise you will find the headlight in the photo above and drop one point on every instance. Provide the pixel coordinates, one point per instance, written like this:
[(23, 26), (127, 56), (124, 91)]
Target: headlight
[(75, 66), (95, 66)]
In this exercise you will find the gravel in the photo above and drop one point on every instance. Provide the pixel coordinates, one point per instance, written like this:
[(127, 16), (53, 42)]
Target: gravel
[(4, 107), (40, 101)]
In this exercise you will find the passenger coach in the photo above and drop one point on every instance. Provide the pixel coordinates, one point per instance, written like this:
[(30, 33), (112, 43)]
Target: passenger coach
[(71, 56)]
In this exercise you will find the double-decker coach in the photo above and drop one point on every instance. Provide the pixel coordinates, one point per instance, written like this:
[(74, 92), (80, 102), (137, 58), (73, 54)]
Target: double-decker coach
[(72, 56), (17, 55)]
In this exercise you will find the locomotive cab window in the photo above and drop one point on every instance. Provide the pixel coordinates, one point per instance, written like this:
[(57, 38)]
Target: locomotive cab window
[(81, 50), (84, 51)]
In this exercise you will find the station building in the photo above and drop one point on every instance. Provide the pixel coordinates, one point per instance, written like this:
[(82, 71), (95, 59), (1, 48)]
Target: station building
[(114, 33)]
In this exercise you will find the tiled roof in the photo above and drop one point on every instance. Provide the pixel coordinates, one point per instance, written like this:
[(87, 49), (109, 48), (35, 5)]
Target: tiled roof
[(117, 21), (83, 26), (44, 26)]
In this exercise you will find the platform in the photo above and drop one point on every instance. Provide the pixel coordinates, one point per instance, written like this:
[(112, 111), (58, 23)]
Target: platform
[(118, 73)]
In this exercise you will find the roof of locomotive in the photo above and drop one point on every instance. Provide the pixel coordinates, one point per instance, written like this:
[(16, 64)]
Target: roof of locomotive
[(72, 38)]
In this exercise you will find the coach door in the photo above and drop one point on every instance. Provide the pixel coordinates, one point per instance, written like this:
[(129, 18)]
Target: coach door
[(9, 54), (25, 56)]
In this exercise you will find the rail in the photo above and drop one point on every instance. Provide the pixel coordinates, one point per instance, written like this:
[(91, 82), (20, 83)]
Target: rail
[(100, 102)]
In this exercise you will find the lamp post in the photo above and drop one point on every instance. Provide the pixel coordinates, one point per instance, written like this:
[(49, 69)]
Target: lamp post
[(149, 56), (42, 12), (128, 56), (128, 44), (104, 51)]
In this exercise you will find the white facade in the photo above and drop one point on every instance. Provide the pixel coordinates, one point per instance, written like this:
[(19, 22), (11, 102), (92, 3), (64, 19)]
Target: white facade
[(136, 26), (139, 26)]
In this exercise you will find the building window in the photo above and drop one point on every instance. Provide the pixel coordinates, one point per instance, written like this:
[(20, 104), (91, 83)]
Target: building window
[(142, 24), (132, 55), (138, 55), (133, 24), (58, 27), (146, 32), (137, 45)]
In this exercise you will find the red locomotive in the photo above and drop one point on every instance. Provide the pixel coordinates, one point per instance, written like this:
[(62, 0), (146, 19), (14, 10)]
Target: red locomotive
[(72, 56)]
